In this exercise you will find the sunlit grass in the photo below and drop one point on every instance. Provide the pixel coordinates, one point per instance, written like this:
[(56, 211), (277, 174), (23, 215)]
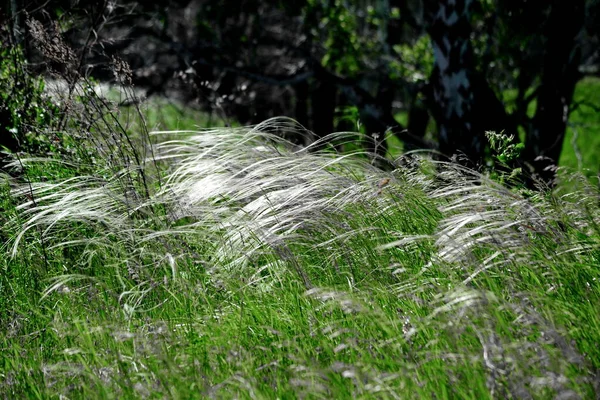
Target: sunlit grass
[(582, 140), (257, 269)]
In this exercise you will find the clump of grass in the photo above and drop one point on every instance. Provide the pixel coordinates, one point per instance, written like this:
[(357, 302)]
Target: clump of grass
[(260, 269)]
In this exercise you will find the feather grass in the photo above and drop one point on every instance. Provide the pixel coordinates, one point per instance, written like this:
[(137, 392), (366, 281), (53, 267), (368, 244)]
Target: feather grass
[(421, 280)]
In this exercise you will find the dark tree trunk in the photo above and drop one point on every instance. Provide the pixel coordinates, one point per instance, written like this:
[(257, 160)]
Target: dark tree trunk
[(418, 118), (371, 116), (449, 27), (301, 106), (323, 100), (301, 92), (461, 100), (559, 76)]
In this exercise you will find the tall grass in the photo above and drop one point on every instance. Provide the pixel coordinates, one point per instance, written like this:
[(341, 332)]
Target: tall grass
[(257, 269)]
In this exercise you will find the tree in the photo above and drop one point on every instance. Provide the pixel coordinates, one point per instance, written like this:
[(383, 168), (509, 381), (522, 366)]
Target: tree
[(559, 73), (453, 60), (453, 91), (543, 48)]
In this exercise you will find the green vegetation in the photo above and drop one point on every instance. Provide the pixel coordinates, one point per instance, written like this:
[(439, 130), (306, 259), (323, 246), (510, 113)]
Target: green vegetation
[(25, 113), (227, 263), (582, 140), (230, 263)]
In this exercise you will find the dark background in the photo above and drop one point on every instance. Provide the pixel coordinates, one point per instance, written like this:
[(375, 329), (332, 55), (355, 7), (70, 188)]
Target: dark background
[(434, 74)]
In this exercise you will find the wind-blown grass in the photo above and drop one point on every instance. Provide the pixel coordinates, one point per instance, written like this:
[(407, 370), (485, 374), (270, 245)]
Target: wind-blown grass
[(258, 269)]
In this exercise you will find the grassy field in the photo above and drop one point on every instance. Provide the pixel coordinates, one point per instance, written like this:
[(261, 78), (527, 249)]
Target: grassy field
[(227, 263), (582, 142)]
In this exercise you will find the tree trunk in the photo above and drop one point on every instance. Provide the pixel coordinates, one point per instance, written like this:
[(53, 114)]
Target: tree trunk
[(323, 101), (371, 115), (461, 100), (449, 27), (301, 106), (559, 76), (418, 117)]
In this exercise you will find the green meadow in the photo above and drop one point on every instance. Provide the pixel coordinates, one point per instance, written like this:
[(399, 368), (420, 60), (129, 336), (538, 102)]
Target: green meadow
[(163, 256)]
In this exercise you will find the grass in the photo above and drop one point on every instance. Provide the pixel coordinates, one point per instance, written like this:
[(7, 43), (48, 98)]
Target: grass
[(254, 269), (583, 133)]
